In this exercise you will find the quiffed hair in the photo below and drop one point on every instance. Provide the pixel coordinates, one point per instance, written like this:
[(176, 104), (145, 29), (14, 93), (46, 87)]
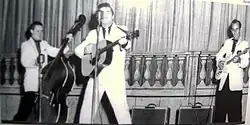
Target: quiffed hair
[(32, 26), (105, 4)]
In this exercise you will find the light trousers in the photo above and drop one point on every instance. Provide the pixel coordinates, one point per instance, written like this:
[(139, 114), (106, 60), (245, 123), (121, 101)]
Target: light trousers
[(117, 100)]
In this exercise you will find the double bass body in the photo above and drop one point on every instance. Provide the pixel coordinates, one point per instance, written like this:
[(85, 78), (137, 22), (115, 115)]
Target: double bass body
[(57, 81), (56, 85)]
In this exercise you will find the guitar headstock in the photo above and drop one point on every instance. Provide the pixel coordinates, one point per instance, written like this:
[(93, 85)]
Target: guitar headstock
[(133, 34)]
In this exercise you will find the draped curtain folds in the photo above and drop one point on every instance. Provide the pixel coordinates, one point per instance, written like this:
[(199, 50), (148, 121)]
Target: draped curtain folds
[(165, 25)]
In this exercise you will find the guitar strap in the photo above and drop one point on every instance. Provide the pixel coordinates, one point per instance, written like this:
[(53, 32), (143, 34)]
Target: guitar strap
[(126, 32)]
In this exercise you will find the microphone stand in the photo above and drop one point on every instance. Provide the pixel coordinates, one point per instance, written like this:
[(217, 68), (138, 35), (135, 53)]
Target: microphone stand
[(40, 61), (95, 97)]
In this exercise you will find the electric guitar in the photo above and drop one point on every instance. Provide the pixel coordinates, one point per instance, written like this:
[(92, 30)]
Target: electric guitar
[(104, 55), (228, 61)]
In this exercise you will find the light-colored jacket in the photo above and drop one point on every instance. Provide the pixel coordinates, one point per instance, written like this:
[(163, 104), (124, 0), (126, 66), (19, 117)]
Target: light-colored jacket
[(29, 55), (112, 77), (234, 70)]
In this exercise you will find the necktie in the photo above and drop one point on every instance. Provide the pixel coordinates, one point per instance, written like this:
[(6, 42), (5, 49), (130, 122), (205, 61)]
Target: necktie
[(38, 46), (234, 45), (106, 32)]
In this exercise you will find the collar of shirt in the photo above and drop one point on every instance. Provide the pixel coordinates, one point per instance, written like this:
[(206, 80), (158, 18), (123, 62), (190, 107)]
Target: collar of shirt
[(238, 41), (36, 41), (109, 28)]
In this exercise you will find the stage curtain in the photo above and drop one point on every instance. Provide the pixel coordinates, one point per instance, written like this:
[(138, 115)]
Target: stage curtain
[(165, 25)]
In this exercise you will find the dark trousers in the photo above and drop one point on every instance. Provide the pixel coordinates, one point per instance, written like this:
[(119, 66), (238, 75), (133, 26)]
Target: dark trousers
[(26, 106), (228, 102), (108, 109)]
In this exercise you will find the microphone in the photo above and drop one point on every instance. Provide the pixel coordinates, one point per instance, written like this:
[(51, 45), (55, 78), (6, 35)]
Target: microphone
[(40, 59)]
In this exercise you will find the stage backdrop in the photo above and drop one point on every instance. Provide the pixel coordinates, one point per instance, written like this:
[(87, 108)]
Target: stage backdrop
[(165, 25), (175, 31)]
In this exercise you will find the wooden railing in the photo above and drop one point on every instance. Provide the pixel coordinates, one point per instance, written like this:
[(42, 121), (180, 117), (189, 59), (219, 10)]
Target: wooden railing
[(171, 79), (188, 71)]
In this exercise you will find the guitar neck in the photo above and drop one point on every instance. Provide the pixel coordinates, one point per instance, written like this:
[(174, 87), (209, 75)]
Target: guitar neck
[(244, 51), (60, 52), (229, 61), (108, 46), (128, 36)]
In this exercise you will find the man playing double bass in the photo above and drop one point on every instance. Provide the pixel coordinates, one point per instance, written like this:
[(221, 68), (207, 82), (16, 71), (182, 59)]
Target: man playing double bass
[(34, 50), (111, 79)]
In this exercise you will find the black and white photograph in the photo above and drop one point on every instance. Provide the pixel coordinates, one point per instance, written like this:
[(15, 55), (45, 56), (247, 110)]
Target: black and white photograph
[(167, 62)]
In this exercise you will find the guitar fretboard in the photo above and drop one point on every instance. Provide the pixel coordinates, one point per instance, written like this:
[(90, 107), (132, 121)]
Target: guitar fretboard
[(130, 35), (108, 46), (244, 51)]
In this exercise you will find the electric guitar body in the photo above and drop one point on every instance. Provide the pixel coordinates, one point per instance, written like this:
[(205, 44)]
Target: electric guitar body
[(227, 61)]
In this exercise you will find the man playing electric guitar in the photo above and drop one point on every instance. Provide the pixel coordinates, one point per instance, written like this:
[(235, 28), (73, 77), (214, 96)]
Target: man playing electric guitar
[(232, 58), (222, 67), (111, 79)]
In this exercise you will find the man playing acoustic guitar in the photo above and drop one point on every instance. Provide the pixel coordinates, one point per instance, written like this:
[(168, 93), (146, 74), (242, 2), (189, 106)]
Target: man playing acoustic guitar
[(111, 79), (232, 58)]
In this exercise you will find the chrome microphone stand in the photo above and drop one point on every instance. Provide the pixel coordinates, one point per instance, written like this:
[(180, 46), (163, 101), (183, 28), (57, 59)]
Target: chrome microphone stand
[(95, 97), (40, 61)]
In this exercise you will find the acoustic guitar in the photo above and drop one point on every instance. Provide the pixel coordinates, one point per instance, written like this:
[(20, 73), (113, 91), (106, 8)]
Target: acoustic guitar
[(104, 55)]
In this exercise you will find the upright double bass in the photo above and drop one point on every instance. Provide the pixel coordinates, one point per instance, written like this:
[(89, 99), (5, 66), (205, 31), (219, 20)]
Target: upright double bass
[(57, 81)]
